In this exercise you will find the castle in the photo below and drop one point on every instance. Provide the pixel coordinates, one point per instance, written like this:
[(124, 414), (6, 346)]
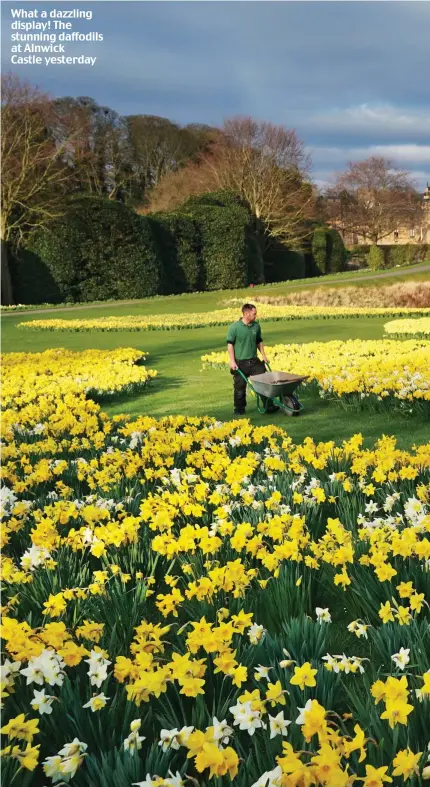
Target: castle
[(416, 234)]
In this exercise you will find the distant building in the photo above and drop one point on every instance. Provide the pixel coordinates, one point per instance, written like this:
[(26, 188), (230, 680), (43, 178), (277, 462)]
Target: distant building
[(417, 233)]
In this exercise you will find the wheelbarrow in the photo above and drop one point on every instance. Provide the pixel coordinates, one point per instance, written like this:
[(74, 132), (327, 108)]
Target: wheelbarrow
[(277, 388)]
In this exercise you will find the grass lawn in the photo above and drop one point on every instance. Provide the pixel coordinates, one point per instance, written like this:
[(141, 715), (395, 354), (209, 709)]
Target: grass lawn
[(206, 301), (182, 388)]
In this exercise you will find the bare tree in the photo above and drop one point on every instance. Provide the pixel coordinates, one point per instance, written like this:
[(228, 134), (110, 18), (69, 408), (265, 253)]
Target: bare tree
[(265, 164), (372, 198), (35, 172)]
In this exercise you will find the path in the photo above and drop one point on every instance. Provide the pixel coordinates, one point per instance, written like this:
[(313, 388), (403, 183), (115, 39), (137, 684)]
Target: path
[(311, 283)]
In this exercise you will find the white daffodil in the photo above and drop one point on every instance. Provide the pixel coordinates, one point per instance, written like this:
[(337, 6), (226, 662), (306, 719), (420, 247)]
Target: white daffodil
[(183, 735), (255, 633), (47, 667), (97, 702), (332, 663), (134, 741), (75, 747), (278, 725), (261, 672), (269, 778), (301, 718), (168, 739), (222, 731), (42, 702), (401, 659), (246, 718), (51, 767), (371, 507), (323, 615)]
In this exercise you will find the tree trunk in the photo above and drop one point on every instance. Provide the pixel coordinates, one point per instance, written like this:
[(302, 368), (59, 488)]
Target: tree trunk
[(7, 298)]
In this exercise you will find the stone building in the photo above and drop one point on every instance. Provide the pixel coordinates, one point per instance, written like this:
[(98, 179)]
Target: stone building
[(418, 233)]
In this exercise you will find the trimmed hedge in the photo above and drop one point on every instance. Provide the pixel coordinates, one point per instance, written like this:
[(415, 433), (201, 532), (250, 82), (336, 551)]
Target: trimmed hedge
[(178, 238), (282, 263), (395, 254), (223, 247), (320, 248), (229, 250), (337, 254), (328, 250), (100, 249), (224, 198)]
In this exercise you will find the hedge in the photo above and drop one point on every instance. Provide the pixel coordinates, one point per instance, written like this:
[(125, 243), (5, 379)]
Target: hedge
[(178, 238), (396, 254), (337, 254), (100, 249), (282, 263), (224, 198), (319, 249), (229, 250), (223, 246)]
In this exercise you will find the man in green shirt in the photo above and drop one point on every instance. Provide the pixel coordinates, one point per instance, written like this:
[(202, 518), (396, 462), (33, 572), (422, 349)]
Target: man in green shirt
[(243, 339)]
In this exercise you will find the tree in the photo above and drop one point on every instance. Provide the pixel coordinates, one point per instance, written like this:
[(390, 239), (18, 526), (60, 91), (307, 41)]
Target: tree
[(157, 146), (372, 198), (35, 172), (100, 154), (263, 163)]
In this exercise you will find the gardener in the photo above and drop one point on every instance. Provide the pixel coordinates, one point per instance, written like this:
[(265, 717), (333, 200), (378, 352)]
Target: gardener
[(243, 339)]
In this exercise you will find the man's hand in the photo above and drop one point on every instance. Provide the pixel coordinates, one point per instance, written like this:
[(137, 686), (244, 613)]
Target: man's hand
[(233, 366), (264, 357)]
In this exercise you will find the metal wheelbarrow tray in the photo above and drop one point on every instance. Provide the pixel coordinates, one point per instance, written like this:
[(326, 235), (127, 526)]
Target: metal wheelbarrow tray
[(275, 384), (277, 388)]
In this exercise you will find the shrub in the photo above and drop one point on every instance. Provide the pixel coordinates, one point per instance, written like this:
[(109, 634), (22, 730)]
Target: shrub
[(375, 258), (100, 249), (223, 198), (229, 251), (282, 263), (178, 239), (395, 255), (33, 281), (56, 249), (223, 245), (319, 249), (256, 273), (336, 252)]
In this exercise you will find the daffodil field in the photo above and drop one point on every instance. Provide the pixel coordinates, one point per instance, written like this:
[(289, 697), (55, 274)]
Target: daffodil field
[(418, 327), (191, 602), (169, 322), (357, 373)]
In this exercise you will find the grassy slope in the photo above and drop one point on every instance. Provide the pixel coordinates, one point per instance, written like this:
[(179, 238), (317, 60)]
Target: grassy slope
[(182, 388), (206, 301)]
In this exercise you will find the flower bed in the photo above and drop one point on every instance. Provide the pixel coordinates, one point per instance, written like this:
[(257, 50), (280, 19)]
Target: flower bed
[(168, 322), (403, 294), (190, 602), (357, 372), (48, 391), (417, 328)]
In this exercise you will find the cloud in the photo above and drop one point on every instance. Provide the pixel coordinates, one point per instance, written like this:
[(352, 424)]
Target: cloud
[(329, 161), (373, 120), (399, 154), (349, 76)]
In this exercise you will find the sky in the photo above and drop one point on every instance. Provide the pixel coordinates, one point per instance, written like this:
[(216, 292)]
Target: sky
[(351, 77)]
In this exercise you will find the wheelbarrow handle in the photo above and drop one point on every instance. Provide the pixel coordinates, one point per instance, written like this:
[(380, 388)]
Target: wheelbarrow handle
[(268, 365), (241, 374)]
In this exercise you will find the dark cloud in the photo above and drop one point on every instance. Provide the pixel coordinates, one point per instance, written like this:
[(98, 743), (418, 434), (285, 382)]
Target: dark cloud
[(350, 76)]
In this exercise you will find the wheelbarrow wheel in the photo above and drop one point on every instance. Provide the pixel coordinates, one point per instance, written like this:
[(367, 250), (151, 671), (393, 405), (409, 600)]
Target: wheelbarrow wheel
[(292, 406)]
